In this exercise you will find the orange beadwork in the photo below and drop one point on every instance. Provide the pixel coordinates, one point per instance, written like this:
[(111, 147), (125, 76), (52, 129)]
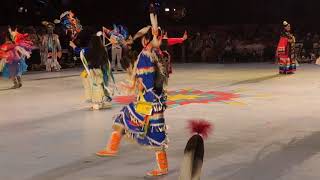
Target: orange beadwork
[(162, 163), (113, 145)]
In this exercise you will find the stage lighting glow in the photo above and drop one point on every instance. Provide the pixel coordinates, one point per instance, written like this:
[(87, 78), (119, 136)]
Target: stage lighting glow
[(20, 9)]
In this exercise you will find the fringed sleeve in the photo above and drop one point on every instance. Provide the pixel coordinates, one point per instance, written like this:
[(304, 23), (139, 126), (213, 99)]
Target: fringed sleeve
[(77, 51), (146, 72)]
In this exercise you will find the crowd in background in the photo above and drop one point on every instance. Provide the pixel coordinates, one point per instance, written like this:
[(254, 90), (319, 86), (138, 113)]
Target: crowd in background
[(219, 44), (251, 43)]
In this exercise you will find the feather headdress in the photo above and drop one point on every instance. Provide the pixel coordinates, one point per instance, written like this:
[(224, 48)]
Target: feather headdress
[(154, 26)]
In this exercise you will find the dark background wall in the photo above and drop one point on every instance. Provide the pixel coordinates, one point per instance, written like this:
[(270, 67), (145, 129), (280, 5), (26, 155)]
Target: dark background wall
[(134, 13)]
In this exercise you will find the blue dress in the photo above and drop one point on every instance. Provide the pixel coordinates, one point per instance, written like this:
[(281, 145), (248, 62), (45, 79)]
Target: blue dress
[(15, 68), (152, 134), (15, 64)]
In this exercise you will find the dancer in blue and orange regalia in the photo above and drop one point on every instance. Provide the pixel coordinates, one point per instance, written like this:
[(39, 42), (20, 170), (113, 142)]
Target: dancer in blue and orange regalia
[(143, 120), (13, 52), (286, 51)]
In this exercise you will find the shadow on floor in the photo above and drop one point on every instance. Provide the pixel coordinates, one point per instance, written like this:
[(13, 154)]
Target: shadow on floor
[(91, 162), (73, 167), (57, 77), (64, 76), (257, 80), (272, 161), (6, 89)]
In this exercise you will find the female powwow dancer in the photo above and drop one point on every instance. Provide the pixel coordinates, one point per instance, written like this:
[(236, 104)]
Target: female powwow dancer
[(143, 120), (13, 52), (286, 51), (97, 74)]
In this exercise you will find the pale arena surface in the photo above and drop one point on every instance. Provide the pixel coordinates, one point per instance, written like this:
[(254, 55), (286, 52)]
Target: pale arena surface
[(270, 129)]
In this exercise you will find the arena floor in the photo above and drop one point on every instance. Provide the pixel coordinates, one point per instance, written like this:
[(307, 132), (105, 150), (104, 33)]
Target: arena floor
[(267, 126)]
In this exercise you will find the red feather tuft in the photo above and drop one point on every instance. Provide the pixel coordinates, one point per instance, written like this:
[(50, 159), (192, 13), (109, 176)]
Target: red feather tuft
[(200, 126)]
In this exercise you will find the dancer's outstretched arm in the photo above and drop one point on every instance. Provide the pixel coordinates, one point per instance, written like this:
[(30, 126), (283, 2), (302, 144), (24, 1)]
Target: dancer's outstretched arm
[(77, 50), (173, 41)]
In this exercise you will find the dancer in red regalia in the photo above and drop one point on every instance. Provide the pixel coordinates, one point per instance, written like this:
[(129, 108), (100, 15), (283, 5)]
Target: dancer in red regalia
[(286, 51)]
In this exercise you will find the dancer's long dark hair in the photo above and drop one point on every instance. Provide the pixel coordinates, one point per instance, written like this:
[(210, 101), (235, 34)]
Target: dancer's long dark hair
[(97, 55), (149, 35)]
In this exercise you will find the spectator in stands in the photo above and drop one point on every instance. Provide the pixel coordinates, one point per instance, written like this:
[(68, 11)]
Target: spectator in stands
[(308, 46), (196, 46), (228, 52), (316, 38), (35, 59), (208, 44), (269, 52)]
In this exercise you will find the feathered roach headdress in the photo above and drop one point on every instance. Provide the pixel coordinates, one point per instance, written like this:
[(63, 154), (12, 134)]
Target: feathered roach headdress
[(194, 150), (70, 23), (154, 27)]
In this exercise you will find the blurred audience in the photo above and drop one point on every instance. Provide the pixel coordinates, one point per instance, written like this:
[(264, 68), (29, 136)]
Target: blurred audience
[(219, 44)]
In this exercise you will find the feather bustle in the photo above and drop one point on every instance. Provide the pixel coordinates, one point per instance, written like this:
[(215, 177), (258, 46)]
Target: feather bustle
[(201, 127)]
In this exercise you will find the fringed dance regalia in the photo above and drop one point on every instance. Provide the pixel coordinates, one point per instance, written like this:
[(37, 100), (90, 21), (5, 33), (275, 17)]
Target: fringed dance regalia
[(70, 24), (50, 48), (95, 78), (143, 120), (13, 54), (95, 82), (286, 52), (14, 65)]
